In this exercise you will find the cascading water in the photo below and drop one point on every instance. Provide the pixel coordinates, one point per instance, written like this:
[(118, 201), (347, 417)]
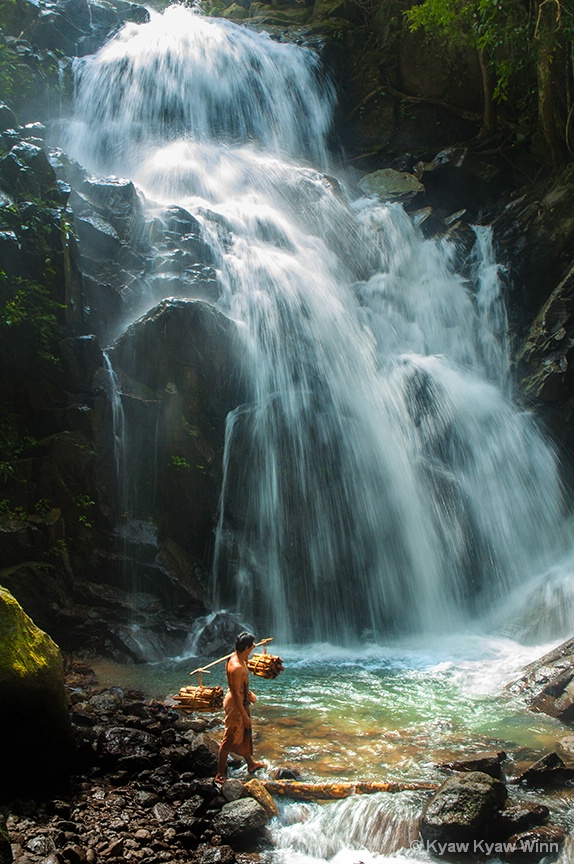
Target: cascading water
[(379, 478)]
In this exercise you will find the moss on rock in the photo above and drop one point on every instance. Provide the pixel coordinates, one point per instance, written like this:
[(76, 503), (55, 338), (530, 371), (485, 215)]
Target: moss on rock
[(34, 724), (25, 651)]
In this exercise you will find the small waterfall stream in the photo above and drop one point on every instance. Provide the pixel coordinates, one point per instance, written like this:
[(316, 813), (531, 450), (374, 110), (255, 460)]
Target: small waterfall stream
[(379, 477)]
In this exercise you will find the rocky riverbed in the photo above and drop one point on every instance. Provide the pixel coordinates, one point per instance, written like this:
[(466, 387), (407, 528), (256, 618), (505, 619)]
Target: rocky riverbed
[(143, 790)]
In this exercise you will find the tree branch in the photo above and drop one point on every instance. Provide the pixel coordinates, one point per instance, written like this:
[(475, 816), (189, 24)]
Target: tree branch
[(388, 89)]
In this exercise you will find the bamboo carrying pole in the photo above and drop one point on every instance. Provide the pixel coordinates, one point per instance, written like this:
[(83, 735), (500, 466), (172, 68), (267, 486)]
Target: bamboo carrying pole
[(202, 698), (201, 669), (299, 791)]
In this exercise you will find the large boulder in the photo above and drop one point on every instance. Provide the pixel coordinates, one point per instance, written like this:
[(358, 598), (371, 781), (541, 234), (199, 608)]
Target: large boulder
[(239, 820), (34, 722), (177, 369), (462, 808)]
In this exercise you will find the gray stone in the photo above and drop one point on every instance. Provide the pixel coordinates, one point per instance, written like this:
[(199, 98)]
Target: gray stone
[(204, 752), (565, 748), (214, 855), (391, 185), (233, 790), (163, 812), (186, 813), (238, 819), (122, 741)]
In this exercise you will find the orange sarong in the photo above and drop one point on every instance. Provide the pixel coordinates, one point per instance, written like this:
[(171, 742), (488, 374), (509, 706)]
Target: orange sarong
[(236, 738)]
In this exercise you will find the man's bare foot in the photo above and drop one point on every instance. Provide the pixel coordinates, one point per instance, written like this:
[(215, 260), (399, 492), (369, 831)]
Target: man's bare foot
[(255, 766), (219, 782)]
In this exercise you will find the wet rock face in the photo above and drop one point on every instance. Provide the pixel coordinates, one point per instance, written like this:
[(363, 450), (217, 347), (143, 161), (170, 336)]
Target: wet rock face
[(177, 371), (129, 262), (73, 27), (61, 500), (534, 235), (548, 684)]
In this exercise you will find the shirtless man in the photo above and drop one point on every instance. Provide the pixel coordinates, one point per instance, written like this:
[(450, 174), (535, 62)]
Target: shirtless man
[(237, 737)]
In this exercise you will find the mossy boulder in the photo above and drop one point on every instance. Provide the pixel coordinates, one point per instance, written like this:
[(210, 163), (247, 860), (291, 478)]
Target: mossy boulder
[(34, 725)]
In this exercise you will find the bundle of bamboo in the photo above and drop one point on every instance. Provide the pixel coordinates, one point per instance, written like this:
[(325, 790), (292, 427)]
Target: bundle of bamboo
[(265, 665), (199, 698)]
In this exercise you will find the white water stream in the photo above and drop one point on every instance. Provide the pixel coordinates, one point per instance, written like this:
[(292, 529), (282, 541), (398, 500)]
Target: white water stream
[(380, 478)]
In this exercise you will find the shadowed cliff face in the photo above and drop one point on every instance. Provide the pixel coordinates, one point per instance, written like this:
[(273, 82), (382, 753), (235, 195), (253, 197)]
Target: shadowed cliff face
[(177, 376)]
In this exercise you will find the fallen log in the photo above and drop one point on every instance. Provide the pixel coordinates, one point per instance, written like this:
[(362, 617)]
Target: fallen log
[(300, 791)]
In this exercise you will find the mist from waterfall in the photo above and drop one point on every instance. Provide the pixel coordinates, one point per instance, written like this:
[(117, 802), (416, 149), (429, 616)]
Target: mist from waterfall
[(379, 478)]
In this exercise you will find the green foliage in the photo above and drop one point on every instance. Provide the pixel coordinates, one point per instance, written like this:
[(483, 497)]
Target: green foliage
[(84, 502), (17, 81), (43, 506), (27, 305), (60, 549), (9, 513), (13, 443), (442, 17), (180, 462), (500, 30)]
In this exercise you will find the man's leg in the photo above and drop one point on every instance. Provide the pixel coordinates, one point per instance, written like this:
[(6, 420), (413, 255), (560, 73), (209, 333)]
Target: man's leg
[(222, 762)]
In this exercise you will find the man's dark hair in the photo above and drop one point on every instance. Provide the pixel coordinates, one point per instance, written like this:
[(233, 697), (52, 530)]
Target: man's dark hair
[(244, 640)]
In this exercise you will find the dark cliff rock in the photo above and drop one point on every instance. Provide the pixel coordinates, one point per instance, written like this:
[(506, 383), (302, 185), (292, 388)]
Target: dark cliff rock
[(85, 580), (534, 236), (177, 367), (72, 27)]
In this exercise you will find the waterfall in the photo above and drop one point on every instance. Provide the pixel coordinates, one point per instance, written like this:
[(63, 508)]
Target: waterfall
[(379, 477), (118, 425)]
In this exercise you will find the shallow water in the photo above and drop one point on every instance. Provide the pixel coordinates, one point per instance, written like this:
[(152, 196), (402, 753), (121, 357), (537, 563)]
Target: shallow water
[(382, 714), (377, 713)]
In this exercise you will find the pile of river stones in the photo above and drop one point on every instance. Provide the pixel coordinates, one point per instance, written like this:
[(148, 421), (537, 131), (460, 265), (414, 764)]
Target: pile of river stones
[(144, 791)]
